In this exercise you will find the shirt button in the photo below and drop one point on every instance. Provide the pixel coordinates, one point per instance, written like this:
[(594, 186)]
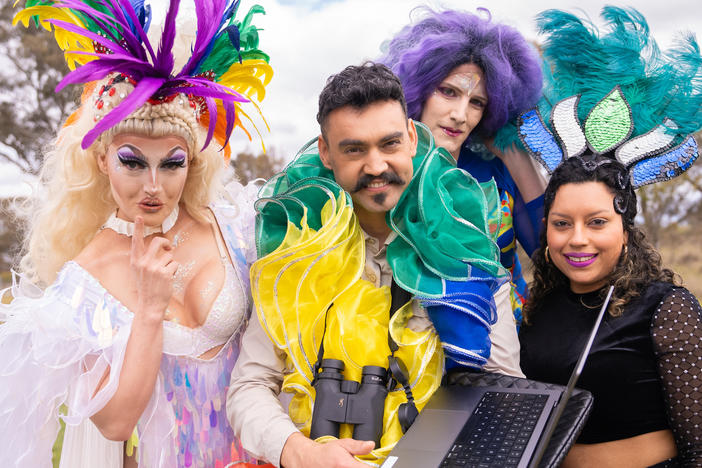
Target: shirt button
[(372, 278)]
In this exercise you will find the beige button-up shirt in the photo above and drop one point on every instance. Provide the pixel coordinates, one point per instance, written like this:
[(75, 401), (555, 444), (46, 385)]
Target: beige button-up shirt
[(253, 407)]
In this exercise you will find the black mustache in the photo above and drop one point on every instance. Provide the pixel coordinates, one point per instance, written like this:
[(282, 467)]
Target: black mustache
[(388, 177)]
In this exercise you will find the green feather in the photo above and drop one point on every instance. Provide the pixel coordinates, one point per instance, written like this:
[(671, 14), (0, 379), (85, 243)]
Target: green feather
[(221, 58)]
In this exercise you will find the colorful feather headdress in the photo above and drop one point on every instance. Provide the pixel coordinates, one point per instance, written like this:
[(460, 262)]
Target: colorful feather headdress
[(657, 101), (103, 38)]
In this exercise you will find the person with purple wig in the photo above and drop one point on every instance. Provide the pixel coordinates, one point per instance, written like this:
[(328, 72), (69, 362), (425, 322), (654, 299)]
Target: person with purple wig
[(466, 77)]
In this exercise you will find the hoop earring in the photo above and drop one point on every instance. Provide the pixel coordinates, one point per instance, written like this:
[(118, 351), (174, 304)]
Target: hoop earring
[(548, 260)]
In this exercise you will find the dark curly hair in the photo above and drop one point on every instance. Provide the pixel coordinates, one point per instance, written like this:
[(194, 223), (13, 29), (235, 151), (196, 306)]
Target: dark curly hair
[(639, 264), (359, 86)]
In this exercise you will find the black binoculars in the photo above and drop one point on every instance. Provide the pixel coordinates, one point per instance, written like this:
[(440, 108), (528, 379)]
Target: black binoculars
[(340, 401)]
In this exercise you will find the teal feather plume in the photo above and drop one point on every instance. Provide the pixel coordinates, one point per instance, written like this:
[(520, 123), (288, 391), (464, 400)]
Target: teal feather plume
[(580, 59)]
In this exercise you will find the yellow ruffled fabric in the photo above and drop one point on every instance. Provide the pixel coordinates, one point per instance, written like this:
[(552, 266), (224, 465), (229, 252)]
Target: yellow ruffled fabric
[(315, 270)]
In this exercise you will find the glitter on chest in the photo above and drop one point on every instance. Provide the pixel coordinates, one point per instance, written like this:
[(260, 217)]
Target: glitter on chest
[(181, 274)]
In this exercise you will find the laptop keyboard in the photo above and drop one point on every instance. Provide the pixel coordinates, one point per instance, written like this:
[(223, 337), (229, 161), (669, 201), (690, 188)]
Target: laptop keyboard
[(498, 431)]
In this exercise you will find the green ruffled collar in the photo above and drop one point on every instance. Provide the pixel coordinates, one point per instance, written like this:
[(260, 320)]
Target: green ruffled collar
[(446, 221)]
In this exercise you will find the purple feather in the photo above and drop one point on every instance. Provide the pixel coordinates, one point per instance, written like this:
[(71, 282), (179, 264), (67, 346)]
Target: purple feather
[(206, 29), (204, 91), (137, 25), (230, 114), (164, 58), (70, 27), (202, 81), (122, 24), (132, 41), (144, 89), (212, 111), (99, 69)]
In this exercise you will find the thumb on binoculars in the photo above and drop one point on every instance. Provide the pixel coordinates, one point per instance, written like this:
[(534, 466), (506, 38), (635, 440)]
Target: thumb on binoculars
[(357, 447)]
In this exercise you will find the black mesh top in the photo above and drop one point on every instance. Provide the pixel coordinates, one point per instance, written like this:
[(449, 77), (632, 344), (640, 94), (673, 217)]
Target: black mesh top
[(644, 369)]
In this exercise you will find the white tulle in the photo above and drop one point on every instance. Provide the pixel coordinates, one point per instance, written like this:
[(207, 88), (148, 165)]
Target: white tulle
[(56, 346), (51, 355), (85, 447)]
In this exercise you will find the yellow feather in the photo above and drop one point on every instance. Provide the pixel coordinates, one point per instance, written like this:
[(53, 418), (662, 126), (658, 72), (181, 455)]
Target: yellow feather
[(258, 69), (67, 41)]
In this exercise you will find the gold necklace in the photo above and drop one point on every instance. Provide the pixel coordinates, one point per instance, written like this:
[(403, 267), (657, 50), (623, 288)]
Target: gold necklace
[(590, 307)]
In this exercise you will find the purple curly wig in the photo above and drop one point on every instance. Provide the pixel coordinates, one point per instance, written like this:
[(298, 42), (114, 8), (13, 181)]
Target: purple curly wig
[(423, 54)]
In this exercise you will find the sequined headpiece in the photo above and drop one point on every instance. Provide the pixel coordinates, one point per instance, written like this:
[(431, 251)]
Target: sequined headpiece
[(658, 100), (649, 158), (102, 39)]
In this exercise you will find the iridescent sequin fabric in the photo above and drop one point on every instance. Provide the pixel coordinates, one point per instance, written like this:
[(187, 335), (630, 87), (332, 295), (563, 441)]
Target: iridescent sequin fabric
[(196, 390)]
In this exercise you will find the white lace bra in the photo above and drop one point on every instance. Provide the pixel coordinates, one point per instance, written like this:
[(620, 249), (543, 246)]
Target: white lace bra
[(226, 316)]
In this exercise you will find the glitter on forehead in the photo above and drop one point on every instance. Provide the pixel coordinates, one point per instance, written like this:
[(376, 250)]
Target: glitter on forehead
[(465, 81)]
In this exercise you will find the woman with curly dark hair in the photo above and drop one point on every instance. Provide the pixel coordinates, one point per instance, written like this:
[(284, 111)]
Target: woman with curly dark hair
[(645, 366)]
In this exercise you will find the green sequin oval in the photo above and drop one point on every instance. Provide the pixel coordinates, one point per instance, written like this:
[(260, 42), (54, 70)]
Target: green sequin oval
[(609, 122)]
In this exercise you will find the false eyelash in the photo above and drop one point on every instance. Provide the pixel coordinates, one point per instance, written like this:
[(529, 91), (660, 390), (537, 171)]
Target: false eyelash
[(173, 163), (130, 159)]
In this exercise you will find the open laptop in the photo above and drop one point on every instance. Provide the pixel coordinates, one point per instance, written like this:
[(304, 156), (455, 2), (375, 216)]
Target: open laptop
[(487, 426)]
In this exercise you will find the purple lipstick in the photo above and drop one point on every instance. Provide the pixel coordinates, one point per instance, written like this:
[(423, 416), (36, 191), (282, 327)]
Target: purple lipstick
[(579, 259)]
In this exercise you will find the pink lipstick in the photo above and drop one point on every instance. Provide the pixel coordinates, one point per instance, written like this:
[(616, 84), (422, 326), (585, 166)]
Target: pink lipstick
[(579, 259), (150, 205), (452, 132)]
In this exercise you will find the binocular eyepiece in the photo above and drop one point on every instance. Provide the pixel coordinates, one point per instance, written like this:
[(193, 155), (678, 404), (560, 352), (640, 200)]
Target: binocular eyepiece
[(340, 401)]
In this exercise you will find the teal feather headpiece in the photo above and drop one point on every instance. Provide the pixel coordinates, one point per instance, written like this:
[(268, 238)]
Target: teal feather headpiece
[(656, 100)]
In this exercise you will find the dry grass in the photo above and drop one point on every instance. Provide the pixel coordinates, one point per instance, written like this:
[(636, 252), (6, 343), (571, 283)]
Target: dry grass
[(681, 249)]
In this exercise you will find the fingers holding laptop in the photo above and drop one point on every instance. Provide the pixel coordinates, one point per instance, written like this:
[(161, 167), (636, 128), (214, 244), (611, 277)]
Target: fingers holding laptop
[(299, 451)]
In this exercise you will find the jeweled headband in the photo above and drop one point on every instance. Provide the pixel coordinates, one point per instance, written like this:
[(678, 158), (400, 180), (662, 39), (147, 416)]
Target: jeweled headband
[(101, 38)]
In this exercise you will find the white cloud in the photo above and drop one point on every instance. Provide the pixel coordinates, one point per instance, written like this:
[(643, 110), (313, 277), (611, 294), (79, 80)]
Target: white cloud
[(308, 43), (308, 40)]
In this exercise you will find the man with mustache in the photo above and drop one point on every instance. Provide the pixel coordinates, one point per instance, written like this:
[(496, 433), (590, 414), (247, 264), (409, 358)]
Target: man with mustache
[(421, 235)]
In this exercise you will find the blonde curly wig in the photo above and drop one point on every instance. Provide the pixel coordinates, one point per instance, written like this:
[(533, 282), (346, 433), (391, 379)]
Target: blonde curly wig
[(74, 197)]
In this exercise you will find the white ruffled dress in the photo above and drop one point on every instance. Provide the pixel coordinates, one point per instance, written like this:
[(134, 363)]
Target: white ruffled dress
[(56, 345)]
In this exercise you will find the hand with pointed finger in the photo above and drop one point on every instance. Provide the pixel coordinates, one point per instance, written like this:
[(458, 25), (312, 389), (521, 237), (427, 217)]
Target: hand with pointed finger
[(153, 270)]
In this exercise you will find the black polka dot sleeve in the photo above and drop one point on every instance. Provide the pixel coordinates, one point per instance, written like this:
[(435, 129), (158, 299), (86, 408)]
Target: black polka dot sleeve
[(677, 339)]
